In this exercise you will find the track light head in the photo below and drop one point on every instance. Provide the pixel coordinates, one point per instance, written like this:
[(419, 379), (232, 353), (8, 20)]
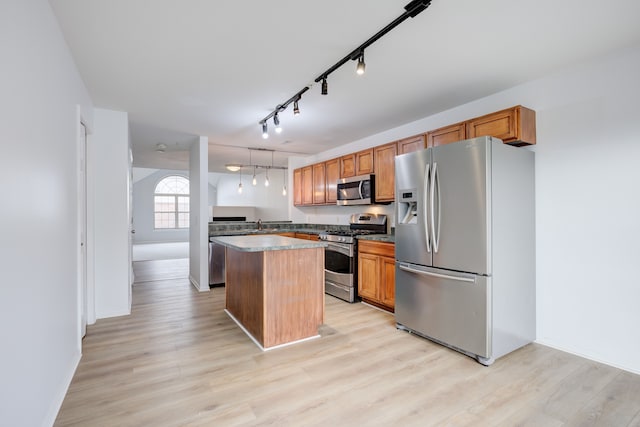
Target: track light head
[(361, 65), (276, 122), (265, 133), (324, 90), (296, 109)]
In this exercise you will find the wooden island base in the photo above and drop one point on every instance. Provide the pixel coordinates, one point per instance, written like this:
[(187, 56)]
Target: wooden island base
[(276, 296)]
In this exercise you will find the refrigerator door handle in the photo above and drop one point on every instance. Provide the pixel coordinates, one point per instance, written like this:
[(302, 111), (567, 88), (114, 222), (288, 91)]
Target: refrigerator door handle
[(435, 235), (427, 171), (439, 275)]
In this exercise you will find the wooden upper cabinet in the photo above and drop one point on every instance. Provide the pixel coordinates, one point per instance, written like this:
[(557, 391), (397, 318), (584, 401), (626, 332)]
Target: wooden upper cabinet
[(364, 162), (384, 157), (332, 172), (319, 184), (348, 166), (307, 185), (297, 187), (515, 126), (446, 135), (413, 143)]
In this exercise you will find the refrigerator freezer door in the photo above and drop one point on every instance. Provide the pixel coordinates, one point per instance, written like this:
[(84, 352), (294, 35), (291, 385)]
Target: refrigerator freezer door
[(454, 309), (462, 206), (413, 242)]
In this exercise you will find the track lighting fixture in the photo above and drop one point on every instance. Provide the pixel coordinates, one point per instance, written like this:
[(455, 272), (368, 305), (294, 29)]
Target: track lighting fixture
[(361, 65), (265, 133), (324, 90), (276, 122), (412, 9)]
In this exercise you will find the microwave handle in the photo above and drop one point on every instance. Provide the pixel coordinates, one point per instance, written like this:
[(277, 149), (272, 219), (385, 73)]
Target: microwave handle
[(360, 189)]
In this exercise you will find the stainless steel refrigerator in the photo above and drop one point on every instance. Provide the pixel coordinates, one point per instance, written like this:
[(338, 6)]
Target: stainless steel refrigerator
[(465, 246)]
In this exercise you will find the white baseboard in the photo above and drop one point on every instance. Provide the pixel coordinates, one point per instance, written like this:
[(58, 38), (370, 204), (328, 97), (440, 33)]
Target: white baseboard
[(57, 400), (196, 284), (586, 356)]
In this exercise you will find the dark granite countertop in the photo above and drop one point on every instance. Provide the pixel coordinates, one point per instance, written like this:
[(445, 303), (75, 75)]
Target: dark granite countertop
[(258, 243), (388, 238)]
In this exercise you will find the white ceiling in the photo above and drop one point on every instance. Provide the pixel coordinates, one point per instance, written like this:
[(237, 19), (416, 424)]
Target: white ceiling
[(215, 68)]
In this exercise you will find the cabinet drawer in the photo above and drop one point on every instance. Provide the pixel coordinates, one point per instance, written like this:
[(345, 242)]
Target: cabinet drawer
[(377, 248)]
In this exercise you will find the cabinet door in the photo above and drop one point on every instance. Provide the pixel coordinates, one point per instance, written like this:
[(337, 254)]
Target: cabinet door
[(384, 156), (307, 236), (388, 282), (514, 126), (332, 171), (446, 135), (413, 143), (307, 185), (297, 187), (364, 162), (368, 276), (348, 166), (319, 182)]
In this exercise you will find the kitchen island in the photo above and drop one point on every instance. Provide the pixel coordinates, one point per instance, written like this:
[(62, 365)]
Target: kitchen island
[(274, 287)]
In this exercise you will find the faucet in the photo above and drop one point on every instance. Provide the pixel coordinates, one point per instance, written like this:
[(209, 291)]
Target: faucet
[(259, 224)]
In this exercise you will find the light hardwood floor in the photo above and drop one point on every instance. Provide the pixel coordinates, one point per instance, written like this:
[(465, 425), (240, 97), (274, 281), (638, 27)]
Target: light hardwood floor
[(179, 360)]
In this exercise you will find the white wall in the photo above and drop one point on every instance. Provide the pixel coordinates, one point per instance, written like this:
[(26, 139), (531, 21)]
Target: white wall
[(269, 202), (40, 89), (143, 193), (199, 214), (110, 163), (587, 196)]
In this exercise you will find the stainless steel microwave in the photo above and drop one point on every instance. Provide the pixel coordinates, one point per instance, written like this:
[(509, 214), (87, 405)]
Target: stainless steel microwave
[(356, 190)]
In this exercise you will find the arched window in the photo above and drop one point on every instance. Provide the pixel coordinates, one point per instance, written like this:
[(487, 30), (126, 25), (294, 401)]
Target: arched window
[(171, 203)]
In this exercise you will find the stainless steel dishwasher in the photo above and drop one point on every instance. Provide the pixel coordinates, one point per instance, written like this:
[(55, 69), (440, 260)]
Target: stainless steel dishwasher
[(216, 265)]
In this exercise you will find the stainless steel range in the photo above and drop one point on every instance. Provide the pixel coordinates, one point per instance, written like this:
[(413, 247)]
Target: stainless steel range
[(341, 254)]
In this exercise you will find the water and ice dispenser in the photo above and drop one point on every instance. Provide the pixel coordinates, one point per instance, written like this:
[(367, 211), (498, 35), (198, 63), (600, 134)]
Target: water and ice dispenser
[(407, 207)]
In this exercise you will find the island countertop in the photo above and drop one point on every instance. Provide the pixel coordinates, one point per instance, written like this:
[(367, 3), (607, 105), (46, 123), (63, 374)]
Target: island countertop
[(269, 242)]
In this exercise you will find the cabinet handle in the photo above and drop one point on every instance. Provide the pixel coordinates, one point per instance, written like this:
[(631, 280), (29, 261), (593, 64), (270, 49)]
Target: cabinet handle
[(425, 211), (439, 275), (434, 180)]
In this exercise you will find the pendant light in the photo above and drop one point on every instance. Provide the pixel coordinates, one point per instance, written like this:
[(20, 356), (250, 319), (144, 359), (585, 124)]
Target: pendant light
[(240, 185), (284, 182)]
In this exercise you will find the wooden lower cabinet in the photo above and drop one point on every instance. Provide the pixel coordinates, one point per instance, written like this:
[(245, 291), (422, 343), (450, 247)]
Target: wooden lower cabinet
[(376, 273), (307, 236), (287, 234)]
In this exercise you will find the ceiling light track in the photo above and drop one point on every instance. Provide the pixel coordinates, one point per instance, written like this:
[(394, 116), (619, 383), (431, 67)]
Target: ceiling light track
[(412, 9)]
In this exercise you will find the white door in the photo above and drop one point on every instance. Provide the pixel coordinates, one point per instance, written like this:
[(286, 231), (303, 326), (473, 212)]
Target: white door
[(82, 225)]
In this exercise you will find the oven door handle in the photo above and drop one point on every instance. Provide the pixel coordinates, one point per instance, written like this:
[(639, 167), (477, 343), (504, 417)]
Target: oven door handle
[(344, 249)]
